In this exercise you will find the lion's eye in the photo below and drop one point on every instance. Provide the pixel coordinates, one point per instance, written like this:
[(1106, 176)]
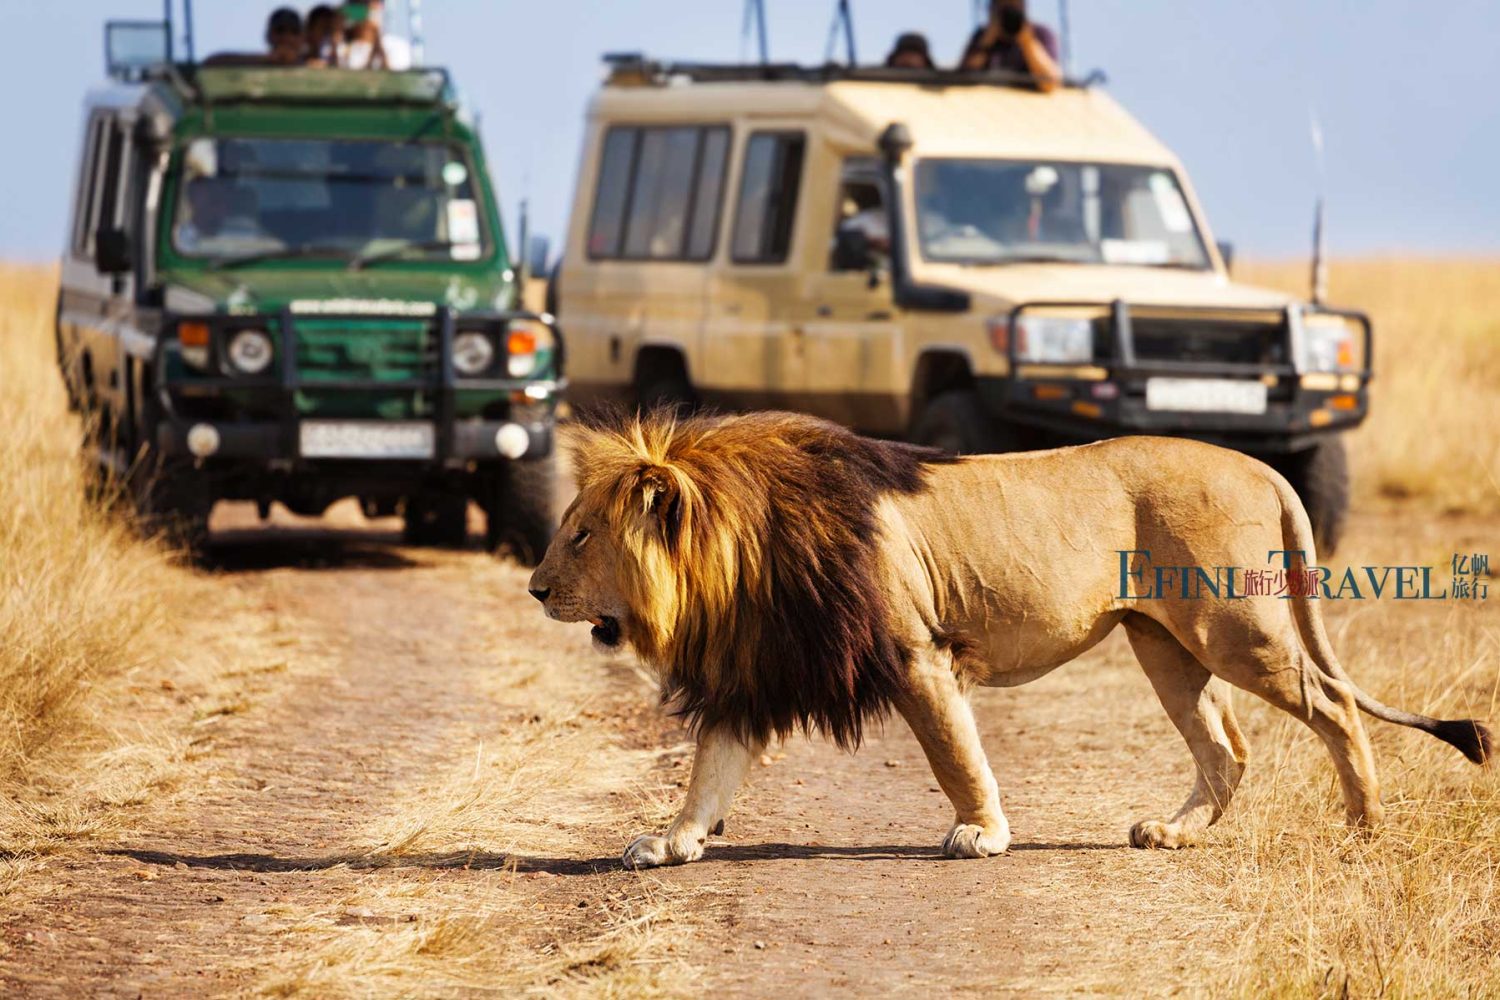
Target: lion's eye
[(581, 537)]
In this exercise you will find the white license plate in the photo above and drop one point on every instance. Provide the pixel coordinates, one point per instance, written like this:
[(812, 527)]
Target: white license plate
[(366, 439), (1205, 395)]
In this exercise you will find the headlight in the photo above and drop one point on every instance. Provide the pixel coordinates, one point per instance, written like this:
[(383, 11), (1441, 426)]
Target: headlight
[(522, 341), (1057, 340), (250, 351), (1329, 344), (473, 352)]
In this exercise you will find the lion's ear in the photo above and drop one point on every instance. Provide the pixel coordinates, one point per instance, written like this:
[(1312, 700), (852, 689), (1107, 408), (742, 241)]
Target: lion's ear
[(661, 501)]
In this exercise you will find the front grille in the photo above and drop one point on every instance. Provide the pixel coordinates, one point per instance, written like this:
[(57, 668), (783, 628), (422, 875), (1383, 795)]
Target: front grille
[(378, 351), (1236, 342)]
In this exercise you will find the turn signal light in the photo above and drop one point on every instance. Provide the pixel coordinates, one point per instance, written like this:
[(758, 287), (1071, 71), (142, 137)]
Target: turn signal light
[(193, 334), (521, 342)]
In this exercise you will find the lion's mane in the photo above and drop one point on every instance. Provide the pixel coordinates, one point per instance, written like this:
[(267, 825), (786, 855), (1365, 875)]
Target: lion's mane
[(749, 553)]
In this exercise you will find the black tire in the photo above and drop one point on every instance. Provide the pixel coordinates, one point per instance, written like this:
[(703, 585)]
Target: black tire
[(664, 384), (439, 520), (1320, 476), (172, 505), (520, 509), (956, 422)]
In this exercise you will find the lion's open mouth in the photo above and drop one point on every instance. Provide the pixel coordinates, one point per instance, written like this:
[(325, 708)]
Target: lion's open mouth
[(606, 630)]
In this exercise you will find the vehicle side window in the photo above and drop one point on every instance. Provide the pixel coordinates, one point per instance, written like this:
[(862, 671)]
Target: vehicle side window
[(108, 216), (862, 230), (88, 187), (659, 193), (767, 204), (713, 158), (608, 223)]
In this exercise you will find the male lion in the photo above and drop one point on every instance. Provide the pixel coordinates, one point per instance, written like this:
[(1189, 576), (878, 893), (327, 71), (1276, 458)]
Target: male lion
[(781, 573)]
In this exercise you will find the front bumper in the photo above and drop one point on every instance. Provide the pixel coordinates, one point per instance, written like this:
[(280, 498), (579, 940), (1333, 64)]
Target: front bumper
[(1108, 396), (279, 444)]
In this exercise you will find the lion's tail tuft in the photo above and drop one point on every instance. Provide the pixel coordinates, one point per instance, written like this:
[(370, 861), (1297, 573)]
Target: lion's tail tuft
[(1472, 738)]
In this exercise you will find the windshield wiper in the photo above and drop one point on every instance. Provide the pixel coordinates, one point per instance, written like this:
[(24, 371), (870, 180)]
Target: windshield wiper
[(391, 253), (1044, 258), (284, 253)]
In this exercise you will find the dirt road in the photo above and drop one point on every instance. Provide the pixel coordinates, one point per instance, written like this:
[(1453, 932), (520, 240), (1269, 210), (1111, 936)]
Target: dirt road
[(426, 787)]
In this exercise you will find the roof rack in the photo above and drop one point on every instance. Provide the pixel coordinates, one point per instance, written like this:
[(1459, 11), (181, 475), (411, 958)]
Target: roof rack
[(634, 69), (240, 84)]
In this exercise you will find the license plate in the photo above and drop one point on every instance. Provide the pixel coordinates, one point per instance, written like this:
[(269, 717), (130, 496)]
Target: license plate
[(1205, 395), (358, 439)]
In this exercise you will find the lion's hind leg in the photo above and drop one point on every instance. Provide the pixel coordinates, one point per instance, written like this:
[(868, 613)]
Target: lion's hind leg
[(935, 707), (1198, 705)]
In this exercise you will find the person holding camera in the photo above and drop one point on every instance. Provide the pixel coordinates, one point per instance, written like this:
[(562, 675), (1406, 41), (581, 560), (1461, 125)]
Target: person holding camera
[(1011, 42)]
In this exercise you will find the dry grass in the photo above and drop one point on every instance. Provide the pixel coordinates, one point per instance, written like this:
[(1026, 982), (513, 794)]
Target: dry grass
[(85, 608), (1434, 430)]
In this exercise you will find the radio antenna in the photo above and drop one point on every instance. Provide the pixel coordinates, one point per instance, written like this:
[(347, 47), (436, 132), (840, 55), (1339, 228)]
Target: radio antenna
[(755, 18), (1065, 28), (842, 18), (414, 29), (1319, 250)]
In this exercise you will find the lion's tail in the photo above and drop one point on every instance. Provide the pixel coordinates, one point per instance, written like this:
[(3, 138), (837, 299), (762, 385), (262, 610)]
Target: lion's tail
[(1471, 738)]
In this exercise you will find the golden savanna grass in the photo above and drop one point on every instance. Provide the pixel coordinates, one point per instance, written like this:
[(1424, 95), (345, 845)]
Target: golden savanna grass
[(83, 600), (1434, 430)]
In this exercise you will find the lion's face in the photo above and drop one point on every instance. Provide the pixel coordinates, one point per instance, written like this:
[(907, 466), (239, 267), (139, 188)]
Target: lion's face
[(578, 579)]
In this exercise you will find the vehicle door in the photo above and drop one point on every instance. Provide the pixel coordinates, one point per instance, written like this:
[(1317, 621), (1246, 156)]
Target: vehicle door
[(655, 214), (848, 334), (749, 355)]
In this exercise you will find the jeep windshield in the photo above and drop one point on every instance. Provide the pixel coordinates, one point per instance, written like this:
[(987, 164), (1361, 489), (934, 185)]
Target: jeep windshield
[(1009, 211), (244, 200)]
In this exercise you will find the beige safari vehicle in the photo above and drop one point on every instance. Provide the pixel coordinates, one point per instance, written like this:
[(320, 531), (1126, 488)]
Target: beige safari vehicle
[(956, 259)]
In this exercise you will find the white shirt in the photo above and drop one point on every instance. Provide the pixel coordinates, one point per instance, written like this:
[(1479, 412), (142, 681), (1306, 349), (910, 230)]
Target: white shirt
[(397, 53)]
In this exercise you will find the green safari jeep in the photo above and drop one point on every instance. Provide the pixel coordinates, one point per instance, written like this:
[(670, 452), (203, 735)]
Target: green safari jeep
[(292, 285)]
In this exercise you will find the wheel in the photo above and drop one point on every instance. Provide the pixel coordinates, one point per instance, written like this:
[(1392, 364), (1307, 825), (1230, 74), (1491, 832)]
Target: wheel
[(440, 520), (955, 422), (664, 384), (172, 503), (520, 508), (1320, 476)]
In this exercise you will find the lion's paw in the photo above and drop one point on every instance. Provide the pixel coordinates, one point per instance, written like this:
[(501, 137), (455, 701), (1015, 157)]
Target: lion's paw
[(1156, 835), (650, 851), (969, 840)]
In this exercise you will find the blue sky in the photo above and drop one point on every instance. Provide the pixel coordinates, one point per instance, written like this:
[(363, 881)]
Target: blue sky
[(1408, 94)]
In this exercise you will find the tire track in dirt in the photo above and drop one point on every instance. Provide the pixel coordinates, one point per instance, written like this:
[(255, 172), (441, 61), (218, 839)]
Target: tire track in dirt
[(386, 699)]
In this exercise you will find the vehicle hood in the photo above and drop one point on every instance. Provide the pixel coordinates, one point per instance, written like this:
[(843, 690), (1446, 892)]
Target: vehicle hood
[(1013, 284), (264, 290)]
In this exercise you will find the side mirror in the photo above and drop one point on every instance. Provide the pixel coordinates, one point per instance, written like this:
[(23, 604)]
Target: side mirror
[(112, 251), (852, 251), (538, 253), (1226, 251)]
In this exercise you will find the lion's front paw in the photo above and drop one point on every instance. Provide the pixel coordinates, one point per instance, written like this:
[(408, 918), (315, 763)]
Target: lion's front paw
[(650, 851), (969, 840), (1154, 834)]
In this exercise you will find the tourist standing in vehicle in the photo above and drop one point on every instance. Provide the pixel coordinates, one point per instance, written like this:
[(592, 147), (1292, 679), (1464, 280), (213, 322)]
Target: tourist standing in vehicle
[(910, 52), (1009, 41), (285, 40), (325, 36), (370, 45)]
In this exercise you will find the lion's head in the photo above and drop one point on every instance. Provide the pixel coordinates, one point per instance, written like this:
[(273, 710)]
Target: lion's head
[(737, 555)]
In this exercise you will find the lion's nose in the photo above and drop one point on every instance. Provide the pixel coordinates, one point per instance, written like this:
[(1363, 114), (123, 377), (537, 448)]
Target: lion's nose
[(542, 594)]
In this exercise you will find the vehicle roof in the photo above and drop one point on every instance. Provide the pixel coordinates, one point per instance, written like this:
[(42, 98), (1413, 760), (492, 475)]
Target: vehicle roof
[(960, 119), (180, 91)]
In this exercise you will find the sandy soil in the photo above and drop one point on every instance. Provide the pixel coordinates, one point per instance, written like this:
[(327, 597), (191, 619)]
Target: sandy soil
[(827, 880)]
